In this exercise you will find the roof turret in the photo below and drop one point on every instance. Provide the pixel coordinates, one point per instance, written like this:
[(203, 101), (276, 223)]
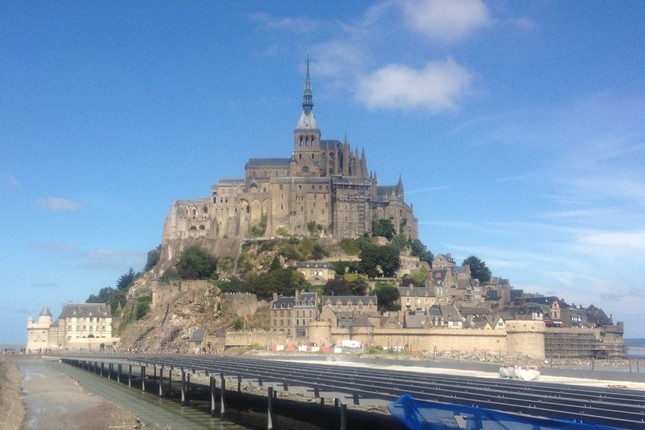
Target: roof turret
[(45, 312)]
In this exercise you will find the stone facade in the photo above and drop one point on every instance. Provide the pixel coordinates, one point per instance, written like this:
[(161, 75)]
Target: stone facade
[(80, 326), (292, 315), (317, 272), (324, 188)]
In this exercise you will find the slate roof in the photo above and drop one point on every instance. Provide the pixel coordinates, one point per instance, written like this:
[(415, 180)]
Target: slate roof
[(315, 265), (475, 310), (597, 316), (416, 292), (385, 190), (330, 144), (438, 276), (352, 319), (283, 302), (344, 300), (306, 299), (268, 162), (198, 335), (85, 310), (45, 312), (415, 320)]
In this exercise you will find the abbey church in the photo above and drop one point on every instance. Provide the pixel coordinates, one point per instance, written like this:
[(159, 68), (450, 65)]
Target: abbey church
[(323, 188)]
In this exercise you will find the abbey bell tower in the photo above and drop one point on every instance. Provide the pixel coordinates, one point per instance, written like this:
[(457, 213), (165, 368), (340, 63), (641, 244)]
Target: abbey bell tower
[(306, 137)]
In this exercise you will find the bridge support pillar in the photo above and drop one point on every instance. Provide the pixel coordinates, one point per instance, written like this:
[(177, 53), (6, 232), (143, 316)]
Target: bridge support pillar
[(161, 382), (119, 367), (239, 383), (270, 409), (212, 393), (343, 417), (222, 397), (170, 381), (102, 368), (110, 369), (129, 376), (183, 387), (143, 378)]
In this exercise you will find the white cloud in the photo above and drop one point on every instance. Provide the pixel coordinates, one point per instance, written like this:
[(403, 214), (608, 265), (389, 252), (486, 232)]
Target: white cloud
[(525, 24), (120, 260), (423, 190), (58, 203), (623, 241), (446, 20), (438, 87), (294, 25), (57, 248), (13, 181)]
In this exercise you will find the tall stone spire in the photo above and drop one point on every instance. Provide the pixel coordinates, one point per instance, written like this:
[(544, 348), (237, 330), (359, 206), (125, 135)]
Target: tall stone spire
[(307, 102), (399, 188), (307, 119)]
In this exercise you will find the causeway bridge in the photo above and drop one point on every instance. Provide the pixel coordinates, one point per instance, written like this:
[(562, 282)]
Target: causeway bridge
[(348, 386)]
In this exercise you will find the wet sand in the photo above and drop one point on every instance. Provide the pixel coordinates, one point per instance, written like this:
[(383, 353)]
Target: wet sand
[(55, 401)]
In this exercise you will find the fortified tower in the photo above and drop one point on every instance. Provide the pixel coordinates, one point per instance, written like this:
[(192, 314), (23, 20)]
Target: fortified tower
[(526, 337), (306, 138), (38, 332)]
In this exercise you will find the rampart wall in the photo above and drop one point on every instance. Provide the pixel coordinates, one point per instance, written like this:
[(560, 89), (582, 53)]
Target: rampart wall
[(525, 337), (243, 304)]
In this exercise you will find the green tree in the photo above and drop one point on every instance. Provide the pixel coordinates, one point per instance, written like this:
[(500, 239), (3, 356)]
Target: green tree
[(126, 280), (196, 263), (387, 295), (386, 257), (420, 250), (337, 287), (259, 229), (153, 258), (400, 242), (233, 285), (478, 268), (170, 274), (383, 228), (318, 252), (281, 281)]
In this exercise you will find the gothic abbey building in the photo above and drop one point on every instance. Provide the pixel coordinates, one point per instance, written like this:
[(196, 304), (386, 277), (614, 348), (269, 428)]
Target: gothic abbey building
[(324, 188)]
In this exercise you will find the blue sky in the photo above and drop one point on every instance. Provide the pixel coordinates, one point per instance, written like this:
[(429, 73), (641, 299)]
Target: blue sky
[(518, 129)]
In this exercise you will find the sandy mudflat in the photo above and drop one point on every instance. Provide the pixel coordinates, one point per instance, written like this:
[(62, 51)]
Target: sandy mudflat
[(55, 401), (11, 405)]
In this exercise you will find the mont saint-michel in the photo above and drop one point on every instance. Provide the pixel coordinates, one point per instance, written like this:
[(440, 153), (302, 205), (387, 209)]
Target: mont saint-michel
[(310, 253), (324, 185)]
